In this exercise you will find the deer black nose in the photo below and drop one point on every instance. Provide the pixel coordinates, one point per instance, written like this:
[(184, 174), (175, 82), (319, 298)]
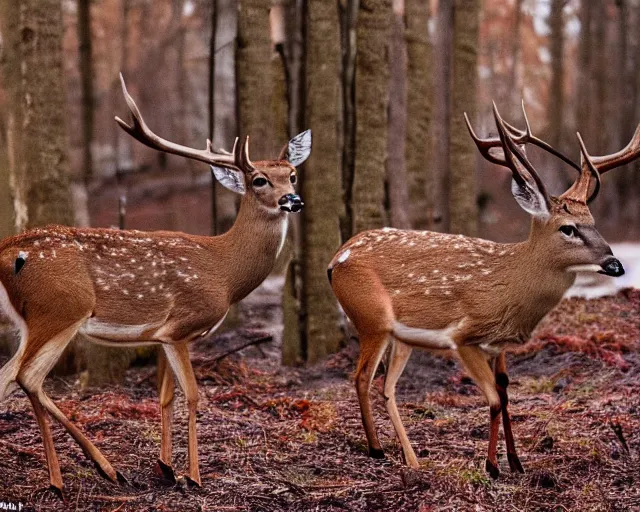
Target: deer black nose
[(291, 203), (612, 267)]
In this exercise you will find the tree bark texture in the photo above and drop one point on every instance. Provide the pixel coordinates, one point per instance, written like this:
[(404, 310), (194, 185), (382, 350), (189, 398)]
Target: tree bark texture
[(463, 209), (255, 87), (396, 162), (372, 98), (321, 179), (86, 80), (33, 72), (442, 114), (555, 105), (419, 137)]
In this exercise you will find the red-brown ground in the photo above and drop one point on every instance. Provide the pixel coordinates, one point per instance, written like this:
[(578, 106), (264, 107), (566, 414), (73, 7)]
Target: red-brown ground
[(286, 439)]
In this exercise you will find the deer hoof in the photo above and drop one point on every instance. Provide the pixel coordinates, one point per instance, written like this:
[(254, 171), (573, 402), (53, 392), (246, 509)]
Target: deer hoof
[(122, 479), (57, 491), (376, 453), (193, 483), (514, 463), (167, 471), (492, 469)]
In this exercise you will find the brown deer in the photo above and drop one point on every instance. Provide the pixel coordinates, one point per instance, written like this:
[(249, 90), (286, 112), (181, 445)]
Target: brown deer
[(474, 297), (132, 288)]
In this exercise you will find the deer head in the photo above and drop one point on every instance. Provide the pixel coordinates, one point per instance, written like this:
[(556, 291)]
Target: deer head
[(562, 227), (270, 182)]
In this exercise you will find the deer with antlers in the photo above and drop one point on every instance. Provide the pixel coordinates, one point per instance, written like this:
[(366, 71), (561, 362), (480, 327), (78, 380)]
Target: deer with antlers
[(475, 297), (126, 288)]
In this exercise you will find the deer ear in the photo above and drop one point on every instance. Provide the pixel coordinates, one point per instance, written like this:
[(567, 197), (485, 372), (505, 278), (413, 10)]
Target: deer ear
[(530, 198), (230, 179), (298, 149)]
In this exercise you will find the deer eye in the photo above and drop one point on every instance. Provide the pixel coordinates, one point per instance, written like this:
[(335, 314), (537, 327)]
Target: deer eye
[(259, 182), (293, 178), (569, 230)]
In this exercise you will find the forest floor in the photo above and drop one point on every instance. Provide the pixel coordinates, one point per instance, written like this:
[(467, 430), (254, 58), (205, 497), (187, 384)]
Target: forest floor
[(273, 438)]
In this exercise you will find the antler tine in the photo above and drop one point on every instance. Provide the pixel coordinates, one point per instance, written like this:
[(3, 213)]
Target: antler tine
[(244, 160), (587, 159), (512, 150), (484, 145), (519, 137), (141, 132), (628, 154)]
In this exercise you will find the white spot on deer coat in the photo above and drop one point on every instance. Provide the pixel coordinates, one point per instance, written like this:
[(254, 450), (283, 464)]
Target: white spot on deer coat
[(344, 256)]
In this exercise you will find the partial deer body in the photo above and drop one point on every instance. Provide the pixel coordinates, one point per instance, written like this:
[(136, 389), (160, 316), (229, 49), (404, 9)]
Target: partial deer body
[(419, 289), (135, 288)]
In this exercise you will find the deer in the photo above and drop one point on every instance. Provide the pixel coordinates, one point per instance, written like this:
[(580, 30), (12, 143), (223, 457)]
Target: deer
[(474, 298), (130, 288)]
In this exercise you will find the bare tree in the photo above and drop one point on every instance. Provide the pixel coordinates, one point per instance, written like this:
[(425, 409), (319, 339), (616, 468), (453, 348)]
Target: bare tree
[(372, 97), (396, 162), (441, 113), (463, 209), (321, 183), (254, 75), (86, 79), (419, 138), (555, 105)]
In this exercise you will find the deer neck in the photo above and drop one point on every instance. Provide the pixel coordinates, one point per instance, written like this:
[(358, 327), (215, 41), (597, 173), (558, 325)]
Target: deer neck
[(534, 276), (248, 251)]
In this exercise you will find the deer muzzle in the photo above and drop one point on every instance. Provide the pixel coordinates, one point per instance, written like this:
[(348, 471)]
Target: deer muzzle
[(612, 267), (291, 203)]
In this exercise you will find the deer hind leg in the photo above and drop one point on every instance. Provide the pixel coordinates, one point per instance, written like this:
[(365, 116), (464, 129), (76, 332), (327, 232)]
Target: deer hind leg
[(166, 390), (178, 356), (372, 347), (397, 361), (502, 381), (41, 354), (476, 364)]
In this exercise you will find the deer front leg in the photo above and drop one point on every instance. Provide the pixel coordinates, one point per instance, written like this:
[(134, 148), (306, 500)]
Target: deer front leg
[(55, 476), (166, 391), (397, 361), (178, 356), (476, 364), (502, 381)]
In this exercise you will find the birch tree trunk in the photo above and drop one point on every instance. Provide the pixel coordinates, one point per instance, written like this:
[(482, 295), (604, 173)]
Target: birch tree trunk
[(372, 98), (463, 209)]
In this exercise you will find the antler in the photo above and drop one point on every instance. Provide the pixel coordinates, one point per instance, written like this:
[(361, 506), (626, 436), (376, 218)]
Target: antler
[(238, 159), (519, 137), (514, 158), (596, 165)]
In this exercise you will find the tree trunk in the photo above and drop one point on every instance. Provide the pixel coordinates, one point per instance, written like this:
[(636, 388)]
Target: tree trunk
[(36, 112), (419, 138), (36, 106), (463, 209), (555, 105), (396, 163), (513, 85), (442, 114), (86, 79), (211, 119), (322, 179), (255, 77), (583, 87), (372, 98)]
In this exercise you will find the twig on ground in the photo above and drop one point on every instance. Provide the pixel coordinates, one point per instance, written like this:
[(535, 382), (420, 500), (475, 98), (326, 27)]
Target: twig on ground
[(257, 341)]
